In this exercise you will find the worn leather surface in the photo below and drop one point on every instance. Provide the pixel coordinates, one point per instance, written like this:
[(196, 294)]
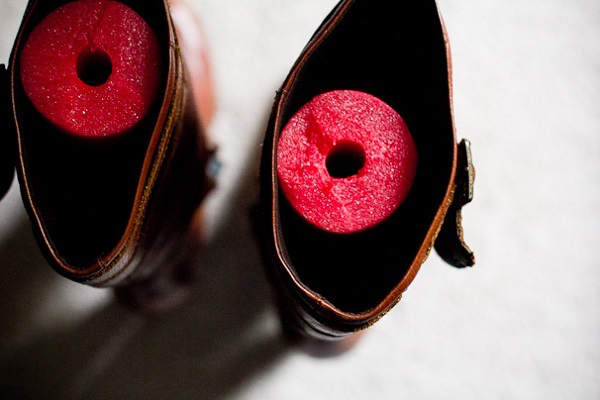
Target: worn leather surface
[(7, 136), (332, 285), (155, 194)]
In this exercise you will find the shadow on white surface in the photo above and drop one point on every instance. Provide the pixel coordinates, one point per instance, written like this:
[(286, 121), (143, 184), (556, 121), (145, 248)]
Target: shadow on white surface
[(226, 333)]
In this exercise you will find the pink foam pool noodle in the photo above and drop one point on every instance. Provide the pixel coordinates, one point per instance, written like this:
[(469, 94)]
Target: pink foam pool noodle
[(92, 67), (346, 161)]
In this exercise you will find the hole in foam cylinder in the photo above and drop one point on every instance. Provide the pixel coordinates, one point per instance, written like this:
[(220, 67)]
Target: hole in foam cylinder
[(94, 67), (345, 159)]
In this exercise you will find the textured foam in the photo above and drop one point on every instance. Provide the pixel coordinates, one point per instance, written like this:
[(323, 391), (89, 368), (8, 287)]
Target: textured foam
[(346, 161), (92, 67)]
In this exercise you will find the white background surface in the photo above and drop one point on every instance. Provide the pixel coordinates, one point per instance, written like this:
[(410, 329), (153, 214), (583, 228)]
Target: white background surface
[(523, 324)]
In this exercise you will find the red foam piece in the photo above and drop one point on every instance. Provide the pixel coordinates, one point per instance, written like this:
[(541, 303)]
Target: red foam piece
[(364, 143), (84, 35)]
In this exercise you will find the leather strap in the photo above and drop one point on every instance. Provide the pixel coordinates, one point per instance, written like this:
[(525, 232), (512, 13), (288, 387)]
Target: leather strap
[(450, 244)]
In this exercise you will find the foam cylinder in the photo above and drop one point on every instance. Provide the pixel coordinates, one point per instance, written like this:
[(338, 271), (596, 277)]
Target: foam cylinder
[(92, 67), (346, 161)]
